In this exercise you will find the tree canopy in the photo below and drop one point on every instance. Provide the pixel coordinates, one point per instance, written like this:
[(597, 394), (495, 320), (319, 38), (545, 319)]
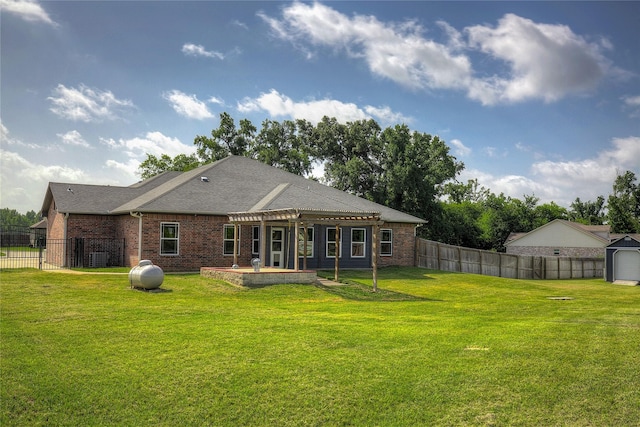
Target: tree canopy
[(403, 169)]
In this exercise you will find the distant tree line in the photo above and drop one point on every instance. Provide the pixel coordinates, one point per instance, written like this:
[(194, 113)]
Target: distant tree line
[(405, 170), (13, 218)]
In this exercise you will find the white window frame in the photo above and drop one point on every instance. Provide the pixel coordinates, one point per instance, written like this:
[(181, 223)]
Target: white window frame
[(175, 239), (357, 243), (310, 242), (225, 239), (384, 242), (332, 242), (255, 240)]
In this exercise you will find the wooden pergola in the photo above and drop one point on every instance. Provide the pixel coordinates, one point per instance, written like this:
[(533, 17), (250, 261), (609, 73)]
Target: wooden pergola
[(301, 220)]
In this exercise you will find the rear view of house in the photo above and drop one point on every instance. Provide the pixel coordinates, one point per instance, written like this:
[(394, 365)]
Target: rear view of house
[(231, 211)]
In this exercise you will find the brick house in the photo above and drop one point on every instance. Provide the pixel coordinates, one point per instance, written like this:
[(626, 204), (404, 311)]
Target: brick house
[(561, 238), (231, 211)]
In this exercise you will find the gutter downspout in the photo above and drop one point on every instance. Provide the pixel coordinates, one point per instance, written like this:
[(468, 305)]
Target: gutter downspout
[(139, 216), (65, 259)]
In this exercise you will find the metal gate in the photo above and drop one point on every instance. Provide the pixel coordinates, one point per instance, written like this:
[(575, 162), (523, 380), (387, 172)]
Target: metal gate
[(21, 247)]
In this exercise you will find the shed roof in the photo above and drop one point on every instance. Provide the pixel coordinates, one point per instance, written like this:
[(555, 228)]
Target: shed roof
[(625, 240), (233, 184)]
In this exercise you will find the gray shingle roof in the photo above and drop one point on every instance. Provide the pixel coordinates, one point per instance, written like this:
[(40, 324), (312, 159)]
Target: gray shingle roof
[(233, 184)]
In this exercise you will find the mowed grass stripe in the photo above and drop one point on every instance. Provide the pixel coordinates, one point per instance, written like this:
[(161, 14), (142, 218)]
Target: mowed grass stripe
[(432, 348)]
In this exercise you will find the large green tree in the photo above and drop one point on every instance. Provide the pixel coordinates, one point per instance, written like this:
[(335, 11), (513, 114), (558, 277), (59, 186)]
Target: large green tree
[(415, 167), (624, 204), (285, 145), (153, 165), (588, 212), (396, 167), (352, 153), (225, 140)]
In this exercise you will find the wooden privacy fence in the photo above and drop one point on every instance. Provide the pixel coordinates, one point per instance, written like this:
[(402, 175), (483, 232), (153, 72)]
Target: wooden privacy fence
[(440, 256)]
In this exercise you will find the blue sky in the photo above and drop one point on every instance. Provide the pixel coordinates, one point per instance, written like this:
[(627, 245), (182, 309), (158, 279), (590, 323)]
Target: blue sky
[(534, 98)]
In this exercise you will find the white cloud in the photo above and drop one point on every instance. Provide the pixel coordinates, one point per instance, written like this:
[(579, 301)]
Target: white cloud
[(545, 61), (528, 149), (459, 149), (240, 24), (536, 61), (154, 143), (279, 105), (493, 152), (9, 140), (191, 49), (397, 52), (385, 115), (86, 104), (187, 105), (27, 10), (632, 104), (214, 100), (563, 181), (23, 183), (73, 137), (127, 171)]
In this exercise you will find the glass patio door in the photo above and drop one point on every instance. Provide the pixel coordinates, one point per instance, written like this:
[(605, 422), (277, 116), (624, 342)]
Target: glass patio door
[(277, 247)]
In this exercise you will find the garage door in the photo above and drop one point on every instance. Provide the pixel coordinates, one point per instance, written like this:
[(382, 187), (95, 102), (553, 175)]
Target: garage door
[(626, 265)]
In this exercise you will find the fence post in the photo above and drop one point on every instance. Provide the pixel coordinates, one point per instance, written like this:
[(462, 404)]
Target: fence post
[(39, 257)]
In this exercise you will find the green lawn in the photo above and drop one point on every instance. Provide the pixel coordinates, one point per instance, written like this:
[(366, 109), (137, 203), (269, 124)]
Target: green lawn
[(432, 348)]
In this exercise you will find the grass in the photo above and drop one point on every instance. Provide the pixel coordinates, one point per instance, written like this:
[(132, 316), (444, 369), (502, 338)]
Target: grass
[(432, 348)]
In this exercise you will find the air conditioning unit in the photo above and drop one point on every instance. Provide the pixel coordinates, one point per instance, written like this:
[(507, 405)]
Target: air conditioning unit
[(98, 259)]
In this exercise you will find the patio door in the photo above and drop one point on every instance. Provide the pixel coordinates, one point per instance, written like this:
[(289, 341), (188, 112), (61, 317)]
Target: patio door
[(277, 247)]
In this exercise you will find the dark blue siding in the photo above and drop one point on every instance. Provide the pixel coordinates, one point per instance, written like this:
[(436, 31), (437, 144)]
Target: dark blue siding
[(320, 259)]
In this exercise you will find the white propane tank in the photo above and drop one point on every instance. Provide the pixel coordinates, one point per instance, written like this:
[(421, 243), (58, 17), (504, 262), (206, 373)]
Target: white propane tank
[(145, 275)]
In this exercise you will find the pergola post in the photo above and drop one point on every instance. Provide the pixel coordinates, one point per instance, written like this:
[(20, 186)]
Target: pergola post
[(304, 259), (374, 256), (296, 244), (235, 243), (263, 243)]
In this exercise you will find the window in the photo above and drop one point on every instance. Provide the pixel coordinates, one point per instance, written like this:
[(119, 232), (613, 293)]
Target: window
[(556, 251), (255, 240), (228, 239), (309, 243), (331, 243), (358, 240), (386, 242), (169, 235)]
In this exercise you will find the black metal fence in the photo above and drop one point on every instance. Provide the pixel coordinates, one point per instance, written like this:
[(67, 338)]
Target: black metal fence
[(26, 248), (18, 236)]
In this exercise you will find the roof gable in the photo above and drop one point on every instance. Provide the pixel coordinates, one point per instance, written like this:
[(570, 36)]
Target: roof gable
[(626, 241), (233, 184), (562, 233)]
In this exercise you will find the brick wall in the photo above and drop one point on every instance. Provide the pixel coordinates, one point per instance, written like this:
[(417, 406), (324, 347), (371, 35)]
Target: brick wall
[(200, 242), (55, 233), (126, 227), (404, 242), (550, 251), (91, 226), (55, 224), (200, 239)]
